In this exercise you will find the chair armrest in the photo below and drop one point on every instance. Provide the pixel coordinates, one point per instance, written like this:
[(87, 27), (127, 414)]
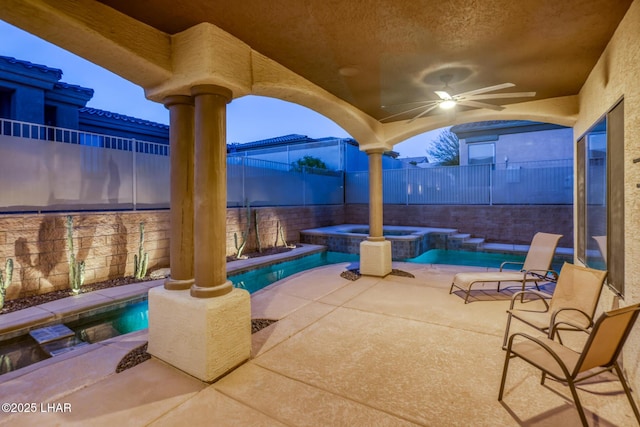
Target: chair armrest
[(554, 325), (544, 346), (538, 294), (510, 262), (554, 274)]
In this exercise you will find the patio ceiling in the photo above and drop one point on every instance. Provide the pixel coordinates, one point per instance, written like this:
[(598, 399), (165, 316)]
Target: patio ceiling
[(387, 52)]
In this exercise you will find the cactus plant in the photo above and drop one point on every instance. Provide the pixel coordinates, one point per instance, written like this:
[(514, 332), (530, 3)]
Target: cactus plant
[(245, 235), (5, 280), (258, 241), (280, 232), (141, 260), (76, 268)]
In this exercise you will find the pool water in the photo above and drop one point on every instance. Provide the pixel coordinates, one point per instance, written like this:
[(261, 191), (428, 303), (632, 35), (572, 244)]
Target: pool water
[(476, 259), (255, 280)]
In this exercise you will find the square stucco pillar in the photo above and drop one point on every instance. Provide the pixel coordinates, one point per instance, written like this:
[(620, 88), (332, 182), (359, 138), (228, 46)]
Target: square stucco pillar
[(204, 337), (375, 258)]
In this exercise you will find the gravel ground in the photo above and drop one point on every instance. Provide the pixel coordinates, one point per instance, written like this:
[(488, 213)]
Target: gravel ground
[(21, 303)]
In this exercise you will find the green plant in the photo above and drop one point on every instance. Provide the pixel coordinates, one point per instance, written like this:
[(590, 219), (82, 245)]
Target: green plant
[(76, 268), (5, 280), (308, 162), (141, 259), (245, 235)]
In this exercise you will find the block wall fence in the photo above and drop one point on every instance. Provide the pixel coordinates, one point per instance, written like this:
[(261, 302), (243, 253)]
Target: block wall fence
[(514, 224), (107, 241)]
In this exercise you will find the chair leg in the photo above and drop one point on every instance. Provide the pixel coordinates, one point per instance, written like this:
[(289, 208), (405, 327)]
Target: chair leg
[(627, 391), (506, 332), (498, 286), (504, 374), (576, 400), (451, 288), (537, 287)]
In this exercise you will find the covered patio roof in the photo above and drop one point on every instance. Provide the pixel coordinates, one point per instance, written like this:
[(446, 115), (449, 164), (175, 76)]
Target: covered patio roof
[(346, 60)]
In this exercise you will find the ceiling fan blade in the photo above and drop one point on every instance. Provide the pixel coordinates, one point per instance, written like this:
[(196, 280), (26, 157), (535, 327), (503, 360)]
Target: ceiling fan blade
[(424, 112), (443, 95), (410, 110), (384, 107), (485, 89), (500, 95), (474, 104)]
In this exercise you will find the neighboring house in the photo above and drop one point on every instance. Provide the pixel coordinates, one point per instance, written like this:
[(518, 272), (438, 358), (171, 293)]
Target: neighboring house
[(421, 162), (336, 153), (33, 93), (513, 141)]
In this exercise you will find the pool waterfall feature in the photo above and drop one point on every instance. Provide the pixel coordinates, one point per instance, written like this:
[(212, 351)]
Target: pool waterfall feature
[(406, 242)]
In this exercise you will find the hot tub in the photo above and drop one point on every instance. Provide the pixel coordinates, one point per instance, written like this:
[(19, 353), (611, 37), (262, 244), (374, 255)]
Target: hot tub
[(406, 242)]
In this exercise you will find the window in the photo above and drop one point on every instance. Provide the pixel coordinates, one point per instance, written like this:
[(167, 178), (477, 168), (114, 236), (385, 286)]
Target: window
[(6, 96), (481, 153), (600, 209)]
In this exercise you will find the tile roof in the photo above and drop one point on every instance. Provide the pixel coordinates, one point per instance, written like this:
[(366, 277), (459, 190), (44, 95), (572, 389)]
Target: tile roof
[(115, 116), (31, 66), (75, 88)]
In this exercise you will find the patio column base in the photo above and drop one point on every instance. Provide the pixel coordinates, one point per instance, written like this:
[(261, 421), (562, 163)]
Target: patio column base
[(375, 258), (204, 337)]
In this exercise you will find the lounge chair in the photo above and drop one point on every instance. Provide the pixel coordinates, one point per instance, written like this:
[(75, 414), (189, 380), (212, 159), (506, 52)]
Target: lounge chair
[(564, 364), (574, 300), (535, 268)]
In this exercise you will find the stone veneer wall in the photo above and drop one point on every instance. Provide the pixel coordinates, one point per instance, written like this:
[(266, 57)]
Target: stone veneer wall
[(107, 241), (503, 224)]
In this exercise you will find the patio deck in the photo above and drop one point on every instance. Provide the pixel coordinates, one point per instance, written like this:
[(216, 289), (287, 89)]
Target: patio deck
[(394, 351)]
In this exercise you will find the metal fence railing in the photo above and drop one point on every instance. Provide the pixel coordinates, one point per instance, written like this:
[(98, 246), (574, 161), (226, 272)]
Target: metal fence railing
[(50, 169), (43, 168), (483, 184)]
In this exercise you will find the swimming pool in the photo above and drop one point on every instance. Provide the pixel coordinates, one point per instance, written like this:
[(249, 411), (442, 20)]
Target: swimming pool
[(23, 351)]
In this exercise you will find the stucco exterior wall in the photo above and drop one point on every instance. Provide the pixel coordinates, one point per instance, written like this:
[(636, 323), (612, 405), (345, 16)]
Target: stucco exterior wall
[(540, 146), (616, 76)]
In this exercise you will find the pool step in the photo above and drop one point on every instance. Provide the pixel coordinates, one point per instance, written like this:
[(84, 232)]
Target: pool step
[(464, 241), (473, 244), (51, 333), (56, 339)]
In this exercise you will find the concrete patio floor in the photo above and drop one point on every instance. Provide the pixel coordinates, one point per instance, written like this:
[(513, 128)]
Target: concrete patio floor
[(386, 352)]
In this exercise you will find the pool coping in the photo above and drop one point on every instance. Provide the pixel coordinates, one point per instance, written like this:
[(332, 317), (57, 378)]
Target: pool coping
[(72, 308)]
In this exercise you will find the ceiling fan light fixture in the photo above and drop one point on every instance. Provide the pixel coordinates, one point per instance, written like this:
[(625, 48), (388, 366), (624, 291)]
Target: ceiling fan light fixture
[(448, 104)]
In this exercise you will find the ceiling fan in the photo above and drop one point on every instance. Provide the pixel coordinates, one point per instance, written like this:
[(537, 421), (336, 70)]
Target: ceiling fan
[(467, 99)]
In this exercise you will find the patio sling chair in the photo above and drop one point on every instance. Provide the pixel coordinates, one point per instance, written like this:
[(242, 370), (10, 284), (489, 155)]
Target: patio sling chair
[(535, 268), (601, 350), (574, 300)]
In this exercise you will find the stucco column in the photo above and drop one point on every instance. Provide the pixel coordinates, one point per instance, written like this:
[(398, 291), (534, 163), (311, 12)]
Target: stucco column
[(375, 252), (210, 191), (375, 195), (204, 336), (181, 140)]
